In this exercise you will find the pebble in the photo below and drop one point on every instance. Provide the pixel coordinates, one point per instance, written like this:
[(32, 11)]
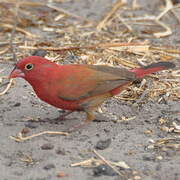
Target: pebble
[(47, 146), (60, 151), (49, 166), (148, 158), (25, 130), (103, 144), (17, 104), (104, 170)]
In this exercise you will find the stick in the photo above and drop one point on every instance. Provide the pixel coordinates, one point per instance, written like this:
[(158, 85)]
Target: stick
[(20, 138), (7, 88), (114, 9), (14, 31), (9, 26), (106, 162), (95, 46)]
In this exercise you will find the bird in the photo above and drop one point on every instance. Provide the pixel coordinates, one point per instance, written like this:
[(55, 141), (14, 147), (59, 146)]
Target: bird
[(79, 87)]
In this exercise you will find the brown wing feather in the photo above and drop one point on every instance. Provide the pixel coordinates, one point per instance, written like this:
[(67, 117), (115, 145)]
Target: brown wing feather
[(90, 80)]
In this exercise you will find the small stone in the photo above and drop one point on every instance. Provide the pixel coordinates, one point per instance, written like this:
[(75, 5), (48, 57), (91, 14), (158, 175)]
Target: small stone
[(17, 104), (151, 141), (49, 166), (148, 158), (150, 147), (103, 144), (104, 170), (159, 157), (61, 174), (106, 130), (25, 130), (47, 146), (60, 151), (148, 131)]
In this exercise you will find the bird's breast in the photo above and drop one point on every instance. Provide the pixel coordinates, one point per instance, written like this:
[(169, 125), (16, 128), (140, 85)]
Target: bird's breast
[(50, 96)]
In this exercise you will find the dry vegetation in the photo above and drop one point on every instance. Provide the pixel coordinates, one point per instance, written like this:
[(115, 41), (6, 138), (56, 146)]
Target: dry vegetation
[(27, 26), (112, 40)]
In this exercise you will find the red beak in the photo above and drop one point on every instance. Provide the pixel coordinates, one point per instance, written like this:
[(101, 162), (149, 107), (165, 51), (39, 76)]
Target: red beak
[(16, 73)]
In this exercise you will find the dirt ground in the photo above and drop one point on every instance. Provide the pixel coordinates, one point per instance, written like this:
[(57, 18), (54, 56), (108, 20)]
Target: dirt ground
[(139, 133)]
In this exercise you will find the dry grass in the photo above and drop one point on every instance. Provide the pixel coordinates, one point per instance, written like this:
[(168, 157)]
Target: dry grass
[(88, 42), (114, 40)]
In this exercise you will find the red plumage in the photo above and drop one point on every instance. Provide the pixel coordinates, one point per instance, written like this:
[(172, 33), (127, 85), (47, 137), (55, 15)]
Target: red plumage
[(77, 86)]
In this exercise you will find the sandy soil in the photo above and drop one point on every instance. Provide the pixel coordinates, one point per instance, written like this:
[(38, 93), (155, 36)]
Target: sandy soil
[(44, 157)]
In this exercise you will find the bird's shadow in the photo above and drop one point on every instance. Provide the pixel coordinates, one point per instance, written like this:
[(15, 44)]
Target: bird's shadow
[(68, 123)]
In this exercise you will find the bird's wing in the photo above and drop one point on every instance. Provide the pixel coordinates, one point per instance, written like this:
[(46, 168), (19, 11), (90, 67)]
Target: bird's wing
[(83, 81)]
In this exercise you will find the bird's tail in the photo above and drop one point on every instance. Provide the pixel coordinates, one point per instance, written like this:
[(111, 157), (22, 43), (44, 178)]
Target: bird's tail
[(155, 67)]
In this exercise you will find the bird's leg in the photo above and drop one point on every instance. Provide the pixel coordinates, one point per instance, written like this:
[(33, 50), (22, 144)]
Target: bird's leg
[(62, 117), (90, 117), (89, 107), (92, 104)]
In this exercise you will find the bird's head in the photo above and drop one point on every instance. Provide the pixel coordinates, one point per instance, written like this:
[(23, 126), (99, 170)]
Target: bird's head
[(30, 67)]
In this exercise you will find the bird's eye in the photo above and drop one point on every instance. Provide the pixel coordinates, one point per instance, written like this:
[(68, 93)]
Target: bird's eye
[(29, 66)]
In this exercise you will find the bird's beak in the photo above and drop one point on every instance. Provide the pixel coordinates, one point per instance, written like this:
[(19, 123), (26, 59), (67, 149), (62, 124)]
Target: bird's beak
[(16, 73)]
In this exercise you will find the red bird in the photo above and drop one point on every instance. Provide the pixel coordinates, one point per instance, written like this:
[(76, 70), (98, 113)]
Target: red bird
[(78, 87)]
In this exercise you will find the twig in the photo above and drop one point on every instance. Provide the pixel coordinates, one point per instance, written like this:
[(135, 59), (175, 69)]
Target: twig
[(106, 162), (176, 16), (20, 138), (14, 31), (9, 26), (7, 88), (165, 33), (25, 3), (109, 15), (27, 159), (124, 46), (34, 4), (176, 73), (96, 162), (167, 52), (169, 6), (65, 12), (173, 51), (4, 50), (135, 5), (86, 162), (7, 43), (125, 23), (145, 92)]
